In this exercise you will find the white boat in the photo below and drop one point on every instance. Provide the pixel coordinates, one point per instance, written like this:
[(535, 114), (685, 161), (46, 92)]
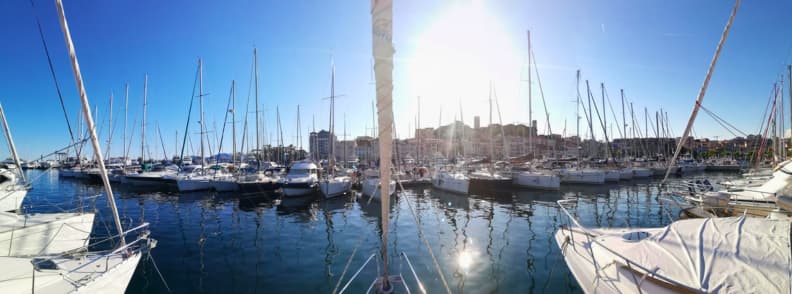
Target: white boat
[(451, 181), (193, 178), (12, 191), (335, 186), (224, 183), (156, 177), (302, 179), (734, 255), (537, 180), (371, 187), (581, 176), (85, 272)]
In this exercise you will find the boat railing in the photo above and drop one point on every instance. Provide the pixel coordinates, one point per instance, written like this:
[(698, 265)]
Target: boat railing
[(402, 257), (591, 238), (140, 243)]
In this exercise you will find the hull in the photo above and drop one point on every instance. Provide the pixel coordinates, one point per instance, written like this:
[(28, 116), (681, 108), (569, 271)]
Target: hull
[(193, 184), (335, 187), (148, 180), (225, 185), (537, 181), (42, 234), (12, 200), (258, 186), (582, 177), (483, 184), (460, 186), (371, 188), (642, 172), (298, 189), (625, 174), (612, 175)]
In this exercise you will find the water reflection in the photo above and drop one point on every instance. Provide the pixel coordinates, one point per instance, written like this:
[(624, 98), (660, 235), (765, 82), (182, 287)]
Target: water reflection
[(498, 242)]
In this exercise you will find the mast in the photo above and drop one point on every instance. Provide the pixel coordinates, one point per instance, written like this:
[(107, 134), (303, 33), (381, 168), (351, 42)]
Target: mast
[(577, 115), (258, 140), (382, 47), (126, 116), (418, 127), (530, 100), (233, 122), (331, 162), (704, 86), (605, 123), (110, 126), (789, 85), (489, 127), (143, 125), (200, 108), (11, 146), (89, 120)]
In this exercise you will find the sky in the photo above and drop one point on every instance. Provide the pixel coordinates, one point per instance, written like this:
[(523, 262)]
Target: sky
[(448, 53)]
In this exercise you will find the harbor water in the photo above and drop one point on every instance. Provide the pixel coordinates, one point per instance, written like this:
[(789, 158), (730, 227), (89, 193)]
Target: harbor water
[(209, 242)]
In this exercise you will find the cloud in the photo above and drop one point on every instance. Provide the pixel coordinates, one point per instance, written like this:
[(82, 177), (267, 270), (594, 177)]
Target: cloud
[(602, 26)]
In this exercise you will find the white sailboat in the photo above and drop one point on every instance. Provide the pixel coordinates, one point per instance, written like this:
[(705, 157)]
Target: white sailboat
[(332, 185), (197, 179), (371, 185), (88, 272), (227, 182), (451, 181)]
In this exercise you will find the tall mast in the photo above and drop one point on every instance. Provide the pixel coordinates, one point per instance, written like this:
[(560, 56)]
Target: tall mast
[(110, 126), (12, 146), (530, 100), (143, 125), (704, 86), (605, 123), (200, 107), (489, 127), (789, 86), (258, 140), (418, 127), (331, 165), (233, 122), (382, 47), (89, 120), (577, 114), (126, 115)]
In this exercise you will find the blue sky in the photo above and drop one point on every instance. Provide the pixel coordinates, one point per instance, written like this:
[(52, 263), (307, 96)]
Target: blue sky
[(447, 53)]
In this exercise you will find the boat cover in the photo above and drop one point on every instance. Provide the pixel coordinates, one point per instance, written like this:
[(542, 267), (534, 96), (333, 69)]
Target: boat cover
[(723, 255)]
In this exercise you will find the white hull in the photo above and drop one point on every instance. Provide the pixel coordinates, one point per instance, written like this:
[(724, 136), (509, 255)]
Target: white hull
[(12, 200), (193, 184), (225, 185), (37, 234), (335, 187), (588, 177), (371, 188), (537, 181), (449, 183)]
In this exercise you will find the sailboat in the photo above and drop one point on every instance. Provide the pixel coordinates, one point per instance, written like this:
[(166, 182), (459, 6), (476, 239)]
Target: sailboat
[(533, 178), (227, 182), (87, 272), (197, 179), (576, 174), (332, 185), (266, 179)]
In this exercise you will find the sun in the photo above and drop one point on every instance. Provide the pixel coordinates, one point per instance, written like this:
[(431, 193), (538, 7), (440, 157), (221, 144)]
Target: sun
[(457, 56)]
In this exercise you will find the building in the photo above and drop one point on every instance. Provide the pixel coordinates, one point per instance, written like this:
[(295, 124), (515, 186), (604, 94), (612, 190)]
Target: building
[(320, 143)]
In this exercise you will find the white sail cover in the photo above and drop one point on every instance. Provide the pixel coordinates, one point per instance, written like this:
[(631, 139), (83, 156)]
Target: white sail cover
[(719, 255)]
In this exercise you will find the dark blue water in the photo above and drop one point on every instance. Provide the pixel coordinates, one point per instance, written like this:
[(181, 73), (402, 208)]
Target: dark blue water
[(224, 243)]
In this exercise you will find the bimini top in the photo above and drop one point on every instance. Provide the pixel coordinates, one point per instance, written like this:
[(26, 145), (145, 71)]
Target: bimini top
[(725, 255)]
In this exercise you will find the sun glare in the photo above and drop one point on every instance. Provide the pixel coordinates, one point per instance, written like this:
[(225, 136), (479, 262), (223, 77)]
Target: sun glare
[(459, 53)]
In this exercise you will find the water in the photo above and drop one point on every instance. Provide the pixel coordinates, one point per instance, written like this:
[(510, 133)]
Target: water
[(221, 243)]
